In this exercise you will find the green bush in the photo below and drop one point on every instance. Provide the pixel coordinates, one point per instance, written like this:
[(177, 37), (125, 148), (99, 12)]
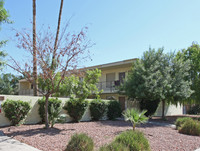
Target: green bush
[(15, 111), (114, 146), (114, 110), (194, 110), (76, 108), (190, 127), (80, 142), (52, 102), (135, 140), (97, 109), (180, 121)]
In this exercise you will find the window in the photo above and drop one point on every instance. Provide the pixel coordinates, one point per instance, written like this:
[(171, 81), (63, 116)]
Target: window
[(110, 78)]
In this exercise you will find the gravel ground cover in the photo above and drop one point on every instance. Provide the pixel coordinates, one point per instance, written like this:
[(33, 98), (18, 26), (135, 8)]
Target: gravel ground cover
[(102, 132)]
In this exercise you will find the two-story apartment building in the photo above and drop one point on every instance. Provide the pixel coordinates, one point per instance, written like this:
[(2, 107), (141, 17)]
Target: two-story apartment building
[(112, 75)]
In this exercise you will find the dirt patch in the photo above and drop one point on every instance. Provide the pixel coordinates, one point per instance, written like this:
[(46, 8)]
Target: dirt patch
[(103, 132)]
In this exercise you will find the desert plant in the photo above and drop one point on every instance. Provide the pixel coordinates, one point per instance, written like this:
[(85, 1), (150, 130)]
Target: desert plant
[(52, 101), (114, 146), (135, 116), (15, 111), (190, 127), (54, 114), (180, 121), (97, 109), (61, 118), (76, 108), (114, 110), (80, 142), (135, 140)]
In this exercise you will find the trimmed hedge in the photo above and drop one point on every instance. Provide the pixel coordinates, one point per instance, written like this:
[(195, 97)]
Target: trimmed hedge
[(114, 110), (15, 111), (76, 108), (97, 109), (135, 140), (52, 102), (80, 142)]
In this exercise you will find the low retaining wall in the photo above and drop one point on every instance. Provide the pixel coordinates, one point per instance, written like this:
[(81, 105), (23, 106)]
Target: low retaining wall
[(33, 116)]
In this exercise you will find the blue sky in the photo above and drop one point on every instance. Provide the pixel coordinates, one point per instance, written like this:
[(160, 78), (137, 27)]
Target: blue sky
[(120, 29)]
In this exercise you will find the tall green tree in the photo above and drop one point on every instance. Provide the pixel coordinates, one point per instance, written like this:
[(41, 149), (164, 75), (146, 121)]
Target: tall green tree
[(158, 77), (9, 84), (192, 54), (3, 19)]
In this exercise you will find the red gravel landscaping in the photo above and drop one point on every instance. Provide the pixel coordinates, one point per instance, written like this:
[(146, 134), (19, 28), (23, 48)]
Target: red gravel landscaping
[(103, 132)]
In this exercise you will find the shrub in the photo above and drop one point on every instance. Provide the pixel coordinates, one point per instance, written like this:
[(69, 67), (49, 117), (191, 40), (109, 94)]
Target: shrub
[(114, 146), (97, 109), (194, 109), (15, 111), (180, 121), (54, 114), (114, 110), (52, 102), (135, 140), (190, 127), (80, 142), (135, 116), (149, 105), (76, 108)]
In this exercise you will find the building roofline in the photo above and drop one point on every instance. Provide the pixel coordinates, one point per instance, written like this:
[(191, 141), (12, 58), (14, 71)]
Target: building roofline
[(128, 61)]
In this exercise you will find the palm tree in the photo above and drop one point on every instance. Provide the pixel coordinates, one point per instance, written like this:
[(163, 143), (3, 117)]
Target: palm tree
[(135, 116), (34, 51), (57, 35)]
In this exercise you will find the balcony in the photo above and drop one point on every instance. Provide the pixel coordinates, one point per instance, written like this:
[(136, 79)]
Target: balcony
[(109, 87)]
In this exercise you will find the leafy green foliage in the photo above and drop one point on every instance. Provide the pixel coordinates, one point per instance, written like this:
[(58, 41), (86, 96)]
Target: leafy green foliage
[(54, 114), (190, 127), (157, 77), (9, 84), (3, 19), (97, 109), (114, 146), (135, 116), (180, 121), (76, 88), (80, 142), (192, 54), (149, 105), (15, 111), (76, 108), (114, 110), (135, 140), (194, 110), (52, 102)]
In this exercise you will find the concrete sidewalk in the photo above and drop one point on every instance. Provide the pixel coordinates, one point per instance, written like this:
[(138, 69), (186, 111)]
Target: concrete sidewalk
[(9, 144)]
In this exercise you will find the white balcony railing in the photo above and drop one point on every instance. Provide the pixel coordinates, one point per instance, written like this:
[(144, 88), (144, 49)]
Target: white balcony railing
[(109, 87)]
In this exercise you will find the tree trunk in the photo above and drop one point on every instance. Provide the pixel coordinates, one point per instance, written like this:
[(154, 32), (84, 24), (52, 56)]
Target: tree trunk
[(57, 35), (34, 51), (46, 111), (133, 127), (163, 109)]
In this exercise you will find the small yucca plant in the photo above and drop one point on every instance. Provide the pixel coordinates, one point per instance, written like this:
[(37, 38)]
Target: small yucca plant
[(135, 116)]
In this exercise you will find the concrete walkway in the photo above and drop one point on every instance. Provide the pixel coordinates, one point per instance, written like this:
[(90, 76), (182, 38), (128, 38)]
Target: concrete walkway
[(9, 144)]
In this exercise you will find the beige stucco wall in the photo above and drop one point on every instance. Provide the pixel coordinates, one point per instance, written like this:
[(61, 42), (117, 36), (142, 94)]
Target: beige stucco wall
[(24, 85), (33, 116)]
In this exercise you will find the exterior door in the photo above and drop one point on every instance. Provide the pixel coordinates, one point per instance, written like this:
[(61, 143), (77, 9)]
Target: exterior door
[(122, 102)]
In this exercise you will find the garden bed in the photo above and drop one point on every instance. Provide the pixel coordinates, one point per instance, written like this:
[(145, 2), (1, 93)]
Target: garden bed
[(103, 132)]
